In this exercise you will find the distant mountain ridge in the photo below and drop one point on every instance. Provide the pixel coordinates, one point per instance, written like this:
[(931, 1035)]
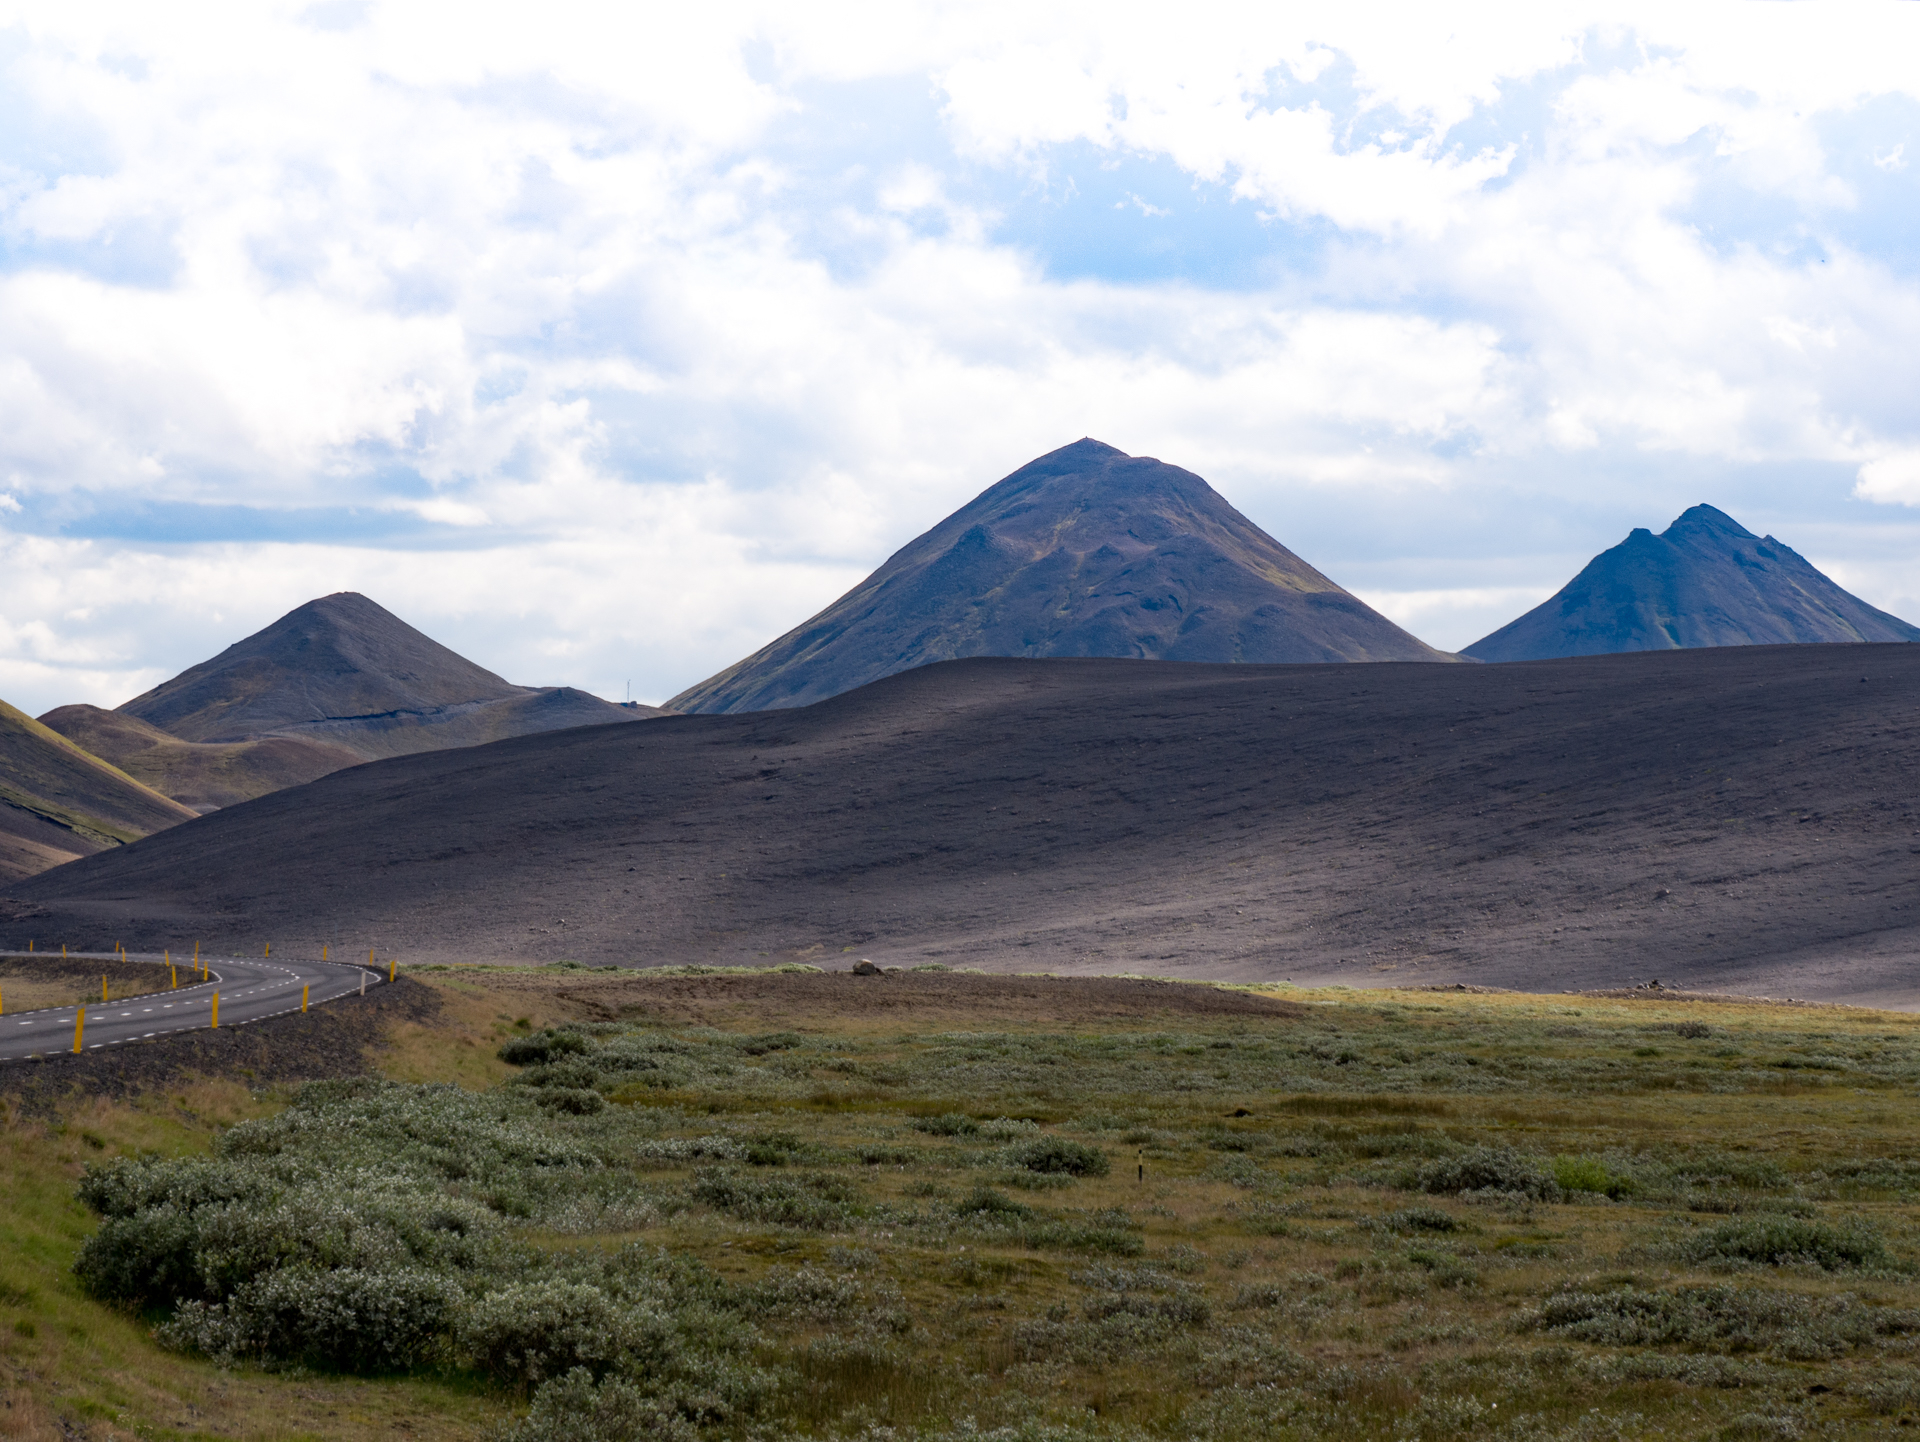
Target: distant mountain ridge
[(347, 673), (1086, 551), (1705, 581)]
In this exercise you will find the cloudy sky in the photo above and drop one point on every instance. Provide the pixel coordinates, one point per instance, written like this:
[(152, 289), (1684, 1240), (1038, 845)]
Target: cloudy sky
[(605, 342)]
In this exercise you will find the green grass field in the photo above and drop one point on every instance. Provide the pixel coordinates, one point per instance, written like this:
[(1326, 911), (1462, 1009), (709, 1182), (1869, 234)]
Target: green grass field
[(1395, 1215)]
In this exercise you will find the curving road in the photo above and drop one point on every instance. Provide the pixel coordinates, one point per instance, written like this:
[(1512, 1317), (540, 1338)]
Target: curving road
[(248, 991)]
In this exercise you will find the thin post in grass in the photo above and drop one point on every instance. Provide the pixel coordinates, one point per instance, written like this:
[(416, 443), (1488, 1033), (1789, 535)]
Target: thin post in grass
[(79, 1026)]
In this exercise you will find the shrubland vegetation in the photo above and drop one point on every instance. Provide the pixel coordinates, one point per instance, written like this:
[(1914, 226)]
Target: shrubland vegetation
[(1398, 1215)]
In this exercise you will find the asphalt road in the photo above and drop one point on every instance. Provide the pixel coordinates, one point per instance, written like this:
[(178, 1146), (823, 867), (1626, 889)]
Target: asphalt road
[(248, 991)]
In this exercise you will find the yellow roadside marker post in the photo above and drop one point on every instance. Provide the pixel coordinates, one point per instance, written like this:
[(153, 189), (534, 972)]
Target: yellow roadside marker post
[(63, 951), (173, 978), (390, 969), (216, 1010), (269, 950), (79, 1026), (323, 951), (103, 991), (303, 997)]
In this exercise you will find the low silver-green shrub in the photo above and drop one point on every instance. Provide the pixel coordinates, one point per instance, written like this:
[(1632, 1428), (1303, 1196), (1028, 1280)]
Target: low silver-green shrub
[(1411, 1221), (1061, 1156), (1485, 1169), (576, 1101), (1798, 1326), (948, 1124), (147, 1257), (541, 1046), (530, 1331), (1781, 1240), (579, 1408), (350, 1319), (691, 1149), (816, 1201), (121, 1188)]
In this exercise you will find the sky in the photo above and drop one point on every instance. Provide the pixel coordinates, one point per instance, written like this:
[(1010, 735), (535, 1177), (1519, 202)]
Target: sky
[(604, 343)]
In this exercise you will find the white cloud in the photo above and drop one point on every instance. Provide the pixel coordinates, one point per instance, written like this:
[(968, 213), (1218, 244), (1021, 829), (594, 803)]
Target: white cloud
[(1894, 478)]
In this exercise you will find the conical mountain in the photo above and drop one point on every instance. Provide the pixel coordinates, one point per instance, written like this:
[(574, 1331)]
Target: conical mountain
[(1704, 581), (1086, 551), (347, 672)]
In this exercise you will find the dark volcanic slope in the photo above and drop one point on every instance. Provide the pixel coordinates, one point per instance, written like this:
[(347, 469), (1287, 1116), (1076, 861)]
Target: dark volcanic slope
[(346, 672), (58, 801), (1085, 552), (1705, 581), (203, 775), (1742, 817)]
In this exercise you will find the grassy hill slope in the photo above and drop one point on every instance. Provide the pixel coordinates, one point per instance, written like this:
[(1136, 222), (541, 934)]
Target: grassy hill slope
[(203, 775), (58, 801)]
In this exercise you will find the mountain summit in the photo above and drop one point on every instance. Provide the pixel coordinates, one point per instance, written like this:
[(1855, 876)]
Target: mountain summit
[(1704, 581), (1086, 551), (347, 672)]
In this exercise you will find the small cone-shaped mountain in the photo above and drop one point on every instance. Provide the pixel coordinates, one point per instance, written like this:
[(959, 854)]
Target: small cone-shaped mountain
[(341, 655), (1705, 581), (345, 671), (1085, 552)]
